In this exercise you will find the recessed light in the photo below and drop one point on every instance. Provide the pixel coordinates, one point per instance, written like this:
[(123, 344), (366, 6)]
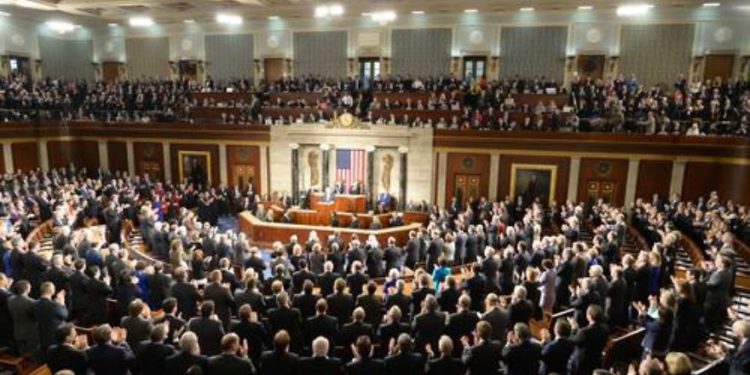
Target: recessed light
[(61, 27), (585, 7), (273, 18), (417, 12), (711, 5), (4, 14), (633, 10), (189, 21), (527, 9), (470, 11), (383, 17), (112, 24), (327, 10), (229, 19), (141, 22), (366, 14)]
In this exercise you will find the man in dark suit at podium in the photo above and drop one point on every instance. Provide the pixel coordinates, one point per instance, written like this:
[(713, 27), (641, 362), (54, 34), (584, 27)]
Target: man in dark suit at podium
[(329, 195), (339, 187), (357, 188), (384, 201)]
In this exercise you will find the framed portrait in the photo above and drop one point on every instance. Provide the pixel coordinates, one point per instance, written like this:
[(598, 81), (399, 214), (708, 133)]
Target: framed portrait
[(195, 166), (533, 181)]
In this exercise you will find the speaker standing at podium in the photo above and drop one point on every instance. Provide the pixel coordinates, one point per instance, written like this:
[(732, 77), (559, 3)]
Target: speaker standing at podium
[(384, 201), (329, 195)]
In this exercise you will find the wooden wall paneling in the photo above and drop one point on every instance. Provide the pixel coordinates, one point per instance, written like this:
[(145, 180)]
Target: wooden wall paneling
[(149, 158), (654, 177), (563, 173), (118, 156), (59, 153), (718, 66), (730, 181), (86, 154), (175, 148), (466, 164), (2, 161), (244, 161), (613, 171), (25, 156), (80, 153)]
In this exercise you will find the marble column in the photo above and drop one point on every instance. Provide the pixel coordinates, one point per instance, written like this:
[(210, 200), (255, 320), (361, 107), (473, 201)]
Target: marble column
[(130, 156), (168, 161), (678, 177), (370, 187), (442, 173), (575, 171), (223, 173), (103, 155), (43, 158), (8, 158), (295, 172), (494, 176), (631, 184), (325, 161), (265, 178), (403, 150)]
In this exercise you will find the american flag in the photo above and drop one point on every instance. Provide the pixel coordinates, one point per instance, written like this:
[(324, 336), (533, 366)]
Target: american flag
[(350, 166)]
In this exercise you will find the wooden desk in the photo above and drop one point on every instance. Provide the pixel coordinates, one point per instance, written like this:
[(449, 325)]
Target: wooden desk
[(354, 203), (267, 233), (224, 97)]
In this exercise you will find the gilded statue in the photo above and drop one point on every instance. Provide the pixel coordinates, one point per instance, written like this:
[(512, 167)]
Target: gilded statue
[(386, 164), (312, 163)]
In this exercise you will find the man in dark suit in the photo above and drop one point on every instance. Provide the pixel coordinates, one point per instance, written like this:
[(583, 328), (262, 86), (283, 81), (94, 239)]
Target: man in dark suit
[(51, 314), (476, 286), (616, 302), (252, 296), (372, 303), (428, 326), (288, 319), (174, 324), (68, 353), (718, 288), (299, 277), (97, 292), (462, 323), (233, 358), (497, 317), (739, 360), (186, 294), (357, 280), (251, 331), (448, 297), (306, 300), (400, 299), (321, 324), (363, 363), (327, 279), (392, 255), (160, 285), (588, 342), (339, 187), (521, 354), (188, 356), (484, 357), (402, 359), (111, 355), (353, 330), (6, 323), (446, 364), (79, 299), (222, 297), (555, 353), (208, 329), (279, 361), (152, 353), (319, 363), (22, 310), (340, 303), (138, 327), (412, 253)]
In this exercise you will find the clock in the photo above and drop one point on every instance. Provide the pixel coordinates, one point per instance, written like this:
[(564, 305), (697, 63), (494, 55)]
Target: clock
[(346, 120)]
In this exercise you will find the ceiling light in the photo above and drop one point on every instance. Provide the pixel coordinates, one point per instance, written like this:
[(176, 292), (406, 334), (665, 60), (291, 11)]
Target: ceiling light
[(189, 21), (273, 18), (61, 26), (633, 10), (417, 12), (327, 10), (112, 24), (4, 14), (711, 5), (585, 7), (527, 9), (141, 22), (228, 19), (470, 11), (383, 17), (33, 5)]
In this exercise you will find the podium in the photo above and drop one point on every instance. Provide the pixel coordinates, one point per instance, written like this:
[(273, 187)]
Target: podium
[(342, 203)]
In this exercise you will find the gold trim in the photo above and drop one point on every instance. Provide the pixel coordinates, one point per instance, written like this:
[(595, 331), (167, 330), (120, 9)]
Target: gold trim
[(138, 139), (539, 167), (181, 168)]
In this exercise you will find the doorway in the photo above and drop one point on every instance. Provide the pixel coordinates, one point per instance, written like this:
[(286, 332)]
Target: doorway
[(20, 66), (475, 67), (274, 69), (369, 67), (591, 66), (188, 69), (466, 186), (111, 71), (597, 189), (718, 66), (244, 174)]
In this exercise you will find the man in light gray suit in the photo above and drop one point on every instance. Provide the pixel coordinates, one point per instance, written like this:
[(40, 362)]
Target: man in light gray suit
[(718, 287), (23, 312)]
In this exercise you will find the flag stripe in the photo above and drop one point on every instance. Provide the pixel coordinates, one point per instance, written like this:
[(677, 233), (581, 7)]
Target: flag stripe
[(350, 166)]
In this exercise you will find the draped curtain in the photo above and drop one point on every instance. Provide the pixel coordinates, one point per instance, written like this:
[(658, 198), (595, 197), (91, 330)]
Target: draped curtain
[(656, 54), (69, 59), (421, 52), (229, 56), (320, 54), (147, 57), (533, 52)]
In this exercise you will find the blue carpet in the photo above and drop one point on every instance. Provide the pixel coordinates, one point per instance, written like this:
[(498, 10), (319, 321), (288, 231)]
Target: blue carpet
[(227, 223)]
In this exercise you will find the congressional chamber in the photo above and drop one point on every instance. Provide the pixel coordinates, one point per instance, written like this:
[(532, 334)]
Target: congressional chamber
[(396, 187)]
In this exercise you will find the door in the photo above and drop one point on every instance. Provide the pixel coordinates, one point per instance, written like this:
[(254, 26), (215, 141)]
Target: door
[(475, 67), (111, 71), (243, 174), (597, 189), (274, 69), (718, 66), (20, 65), (466, 186), (188, 69), (591, 66), (369, 68)]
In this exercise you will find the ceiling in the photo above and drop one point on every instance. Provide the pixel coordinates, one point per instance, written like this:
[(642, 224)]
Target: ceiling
[(174, 11)]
